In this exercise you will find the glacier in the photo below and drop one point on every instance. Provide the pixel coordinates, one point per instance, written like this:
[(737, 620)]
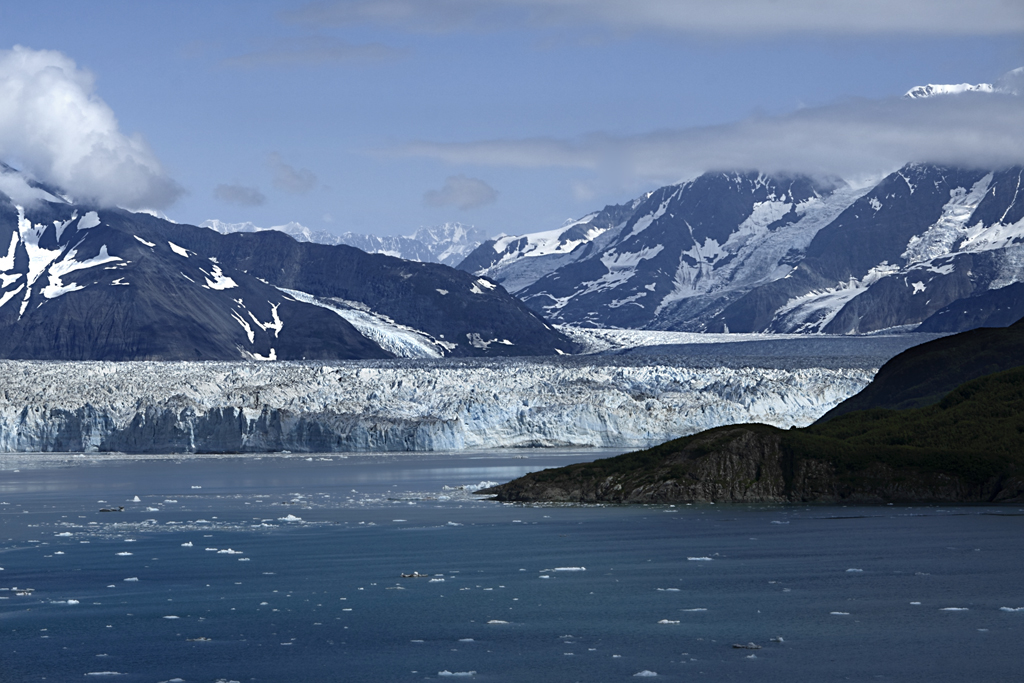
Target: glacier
[(400, 405)]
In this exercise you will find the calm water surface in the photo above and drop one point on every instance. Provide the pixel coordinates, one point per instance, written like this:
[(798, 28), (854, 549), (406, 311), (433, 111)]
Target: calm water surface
[(289, 569)]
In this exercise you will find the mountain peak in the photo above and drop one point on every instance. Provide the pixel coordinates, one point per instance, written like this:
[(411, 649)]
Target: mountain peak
[(932, 90)]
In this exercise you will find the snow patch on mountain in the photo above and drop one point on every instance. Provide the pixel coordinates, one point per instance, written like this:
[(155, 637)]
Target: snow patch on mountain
[(403, 341)]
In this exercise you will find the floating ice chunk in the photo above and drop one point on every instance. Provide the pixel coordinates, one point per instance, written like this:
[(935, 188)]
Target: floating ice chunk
[(136, 499), (130, 578), (170, 500), (543, 576), (569, 569), (105, 673), (915, 603), (1011, 609), (667, 621), (73, 602), (465, 640), (696, 609), (854, 571), (841, 614), (470, 488), (646, 673), (775, 521), (669, 590), (171, 616), (59, 552), (64, 533), (456, 673), (954, 609), (399, 520), (229, 551), (243, 559), (499, 621), (699, 559), (152, 509), (777, 639), (289, 518), (197, 487), (436, 581), (211, 550), (124, 554)]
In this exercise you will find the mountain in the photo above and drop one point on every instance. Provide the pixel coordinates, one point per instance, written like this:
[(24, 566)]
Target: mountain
[(518, 261), (449, 243), (749, 252), (931, 90), (959, 444), (922, 375), (88, 283)]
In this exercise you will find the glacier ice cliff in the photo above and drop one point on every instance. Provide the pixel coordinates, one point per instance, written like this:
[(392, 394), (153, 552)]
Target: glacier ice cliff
[(230, 407)]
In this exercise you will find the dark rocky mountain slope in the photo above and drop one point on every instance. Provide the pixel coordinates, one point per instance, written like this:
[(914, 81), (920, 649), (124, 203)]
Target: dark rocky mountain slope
[(87, 283)]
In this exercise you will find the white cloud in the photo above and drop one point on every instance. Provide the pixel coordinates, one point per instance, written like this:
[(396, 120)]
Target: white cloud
[(289, 178), (848, 139), (54, 126), (463, 192), (716, 17), (239, 194)]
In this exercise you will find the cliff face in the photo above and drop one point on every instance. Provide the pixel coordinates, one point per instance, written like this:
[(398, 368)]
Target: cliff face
[(749, 464), (146, 407)]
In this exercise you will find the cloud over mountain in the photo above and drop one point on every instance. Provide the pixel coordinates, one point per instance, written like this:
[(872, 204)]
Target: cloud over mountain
[(847, 138), (463, 192), (725, 17), (55, 127)]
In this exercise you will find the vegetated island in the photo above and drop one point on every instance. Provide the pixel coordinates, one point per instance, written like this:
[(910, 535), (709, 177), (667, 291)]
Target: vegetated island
[(940, 422)]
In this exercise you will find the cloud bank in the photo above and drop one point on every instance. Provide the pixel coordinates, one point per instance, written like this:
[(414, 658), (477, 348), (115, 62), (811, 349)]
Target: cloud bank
[(289, 178), (54, 126), (313, 51), (718, 17), (239, 194), (848, 139), (463, 192)]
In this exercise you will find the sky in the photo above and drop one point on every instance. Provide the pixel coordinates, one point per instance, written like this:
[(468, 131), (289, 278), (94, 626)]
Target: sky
[(382, 116)]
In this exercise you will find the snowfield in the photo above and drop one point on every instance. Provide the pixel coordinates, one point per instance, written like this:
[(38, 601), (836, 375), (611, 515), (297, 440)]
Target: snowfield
[(366, 406)]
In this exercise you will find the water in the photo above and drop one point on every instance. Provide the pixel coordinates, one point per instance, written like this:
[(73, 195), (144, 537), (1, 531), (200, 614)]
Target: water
[(322, 599)]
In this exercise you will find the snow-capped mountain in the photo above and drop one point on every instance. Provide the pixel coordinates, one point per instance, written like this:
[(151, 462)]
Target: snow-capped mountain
[(88, 283), (932, 90), (520, 260), (750, 252), (449, 243)]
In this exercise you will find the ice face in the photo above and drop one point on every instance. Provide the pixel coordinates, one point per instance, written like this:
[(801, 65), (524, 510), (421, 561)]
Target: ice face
[(397, 405)]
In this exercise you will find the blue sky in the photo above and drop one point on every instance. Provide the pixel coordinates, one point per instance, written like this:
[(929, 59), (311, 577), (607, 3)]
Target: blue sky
[(511, 115)]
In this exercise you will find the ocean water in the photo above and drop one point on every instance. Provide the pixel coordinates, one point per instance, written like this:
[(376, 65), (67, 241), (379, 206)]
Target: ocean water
[(289, 569)]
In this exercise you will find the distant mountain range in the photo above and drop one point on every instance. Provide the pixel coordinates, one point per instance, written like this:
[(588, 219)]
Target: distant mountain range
[(80, 282), (449, 243), (925, 246)]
